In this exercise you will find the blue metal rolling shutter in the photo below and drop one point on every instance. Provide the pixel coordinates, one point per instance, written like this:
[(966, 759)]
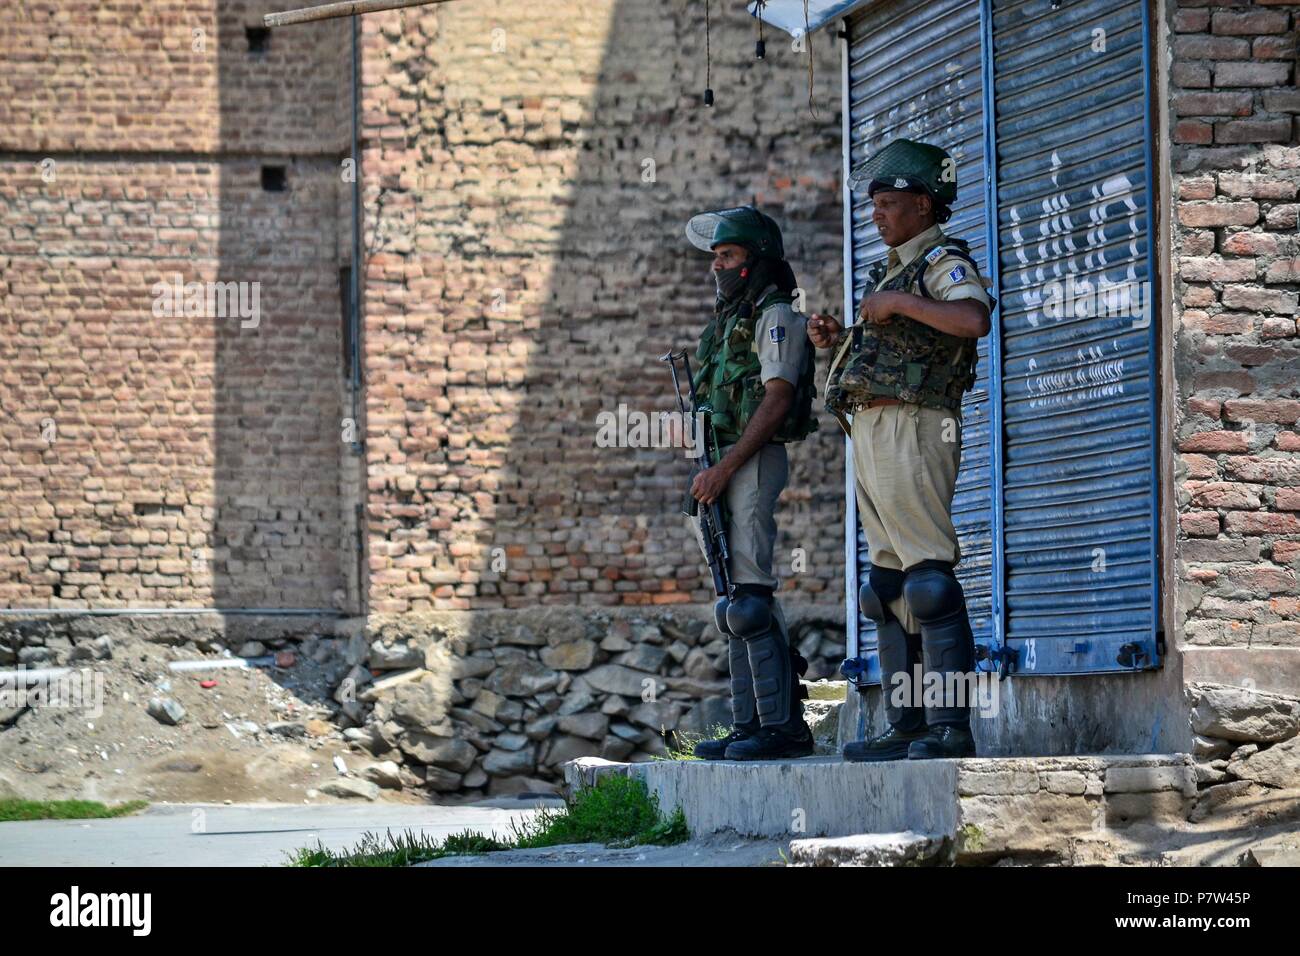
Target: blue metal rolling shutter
[(914, 71), (1073, 189)]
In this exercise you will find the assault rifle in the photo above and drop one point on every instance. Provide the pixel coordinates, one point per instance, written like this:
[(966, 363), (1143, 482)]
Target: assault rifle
[(713, 523)]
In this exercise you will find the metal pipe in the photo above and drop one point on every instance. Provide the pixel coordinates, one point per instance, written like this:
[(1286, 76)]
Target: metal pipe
[(348, 8)]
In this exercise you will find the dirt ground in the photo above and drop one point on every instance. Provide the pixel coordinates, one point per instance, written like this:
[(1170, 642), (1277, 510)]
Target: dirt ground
[(221, 750)]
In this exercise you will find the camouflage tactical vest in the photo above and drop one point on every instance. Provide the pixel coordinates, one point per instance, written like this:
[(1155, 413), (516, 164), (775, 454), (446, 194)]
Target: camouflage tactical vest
[(728, 379), (904, 359)]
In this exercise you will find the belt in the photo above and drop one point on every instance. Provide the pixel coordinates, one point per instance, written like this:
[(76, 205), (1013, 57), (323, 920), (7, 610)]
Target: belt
[(878, 402)]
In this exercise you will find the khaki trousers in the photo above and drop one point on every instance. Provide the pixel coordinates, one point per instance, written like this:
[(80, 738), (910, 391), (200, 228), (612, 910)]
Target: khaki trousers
[(750, 500), (905, 460)]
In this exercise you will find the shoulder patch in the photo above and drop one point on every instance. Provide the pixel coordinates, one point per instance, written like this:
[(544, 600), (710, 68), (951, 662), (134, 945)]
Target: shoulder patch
[(957, 274), (934, 255), (777, 334)]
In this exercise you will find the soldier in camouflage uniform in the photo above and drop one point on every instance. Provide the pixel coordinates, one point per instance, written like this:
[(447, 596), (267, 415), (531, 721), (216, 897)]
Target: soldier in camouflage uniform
[(755, 379), (899, 374)]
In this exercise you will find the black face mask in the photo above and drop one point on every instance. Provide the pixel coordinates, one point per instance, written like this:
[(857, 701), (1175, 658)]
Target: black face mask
[(731, 282)]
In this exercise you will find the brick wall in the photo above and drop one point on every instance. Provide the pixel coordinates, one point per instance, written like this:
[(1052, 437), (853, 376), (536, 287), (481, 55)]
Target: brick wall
[(1236, 169), (529, 269), (178, 460)]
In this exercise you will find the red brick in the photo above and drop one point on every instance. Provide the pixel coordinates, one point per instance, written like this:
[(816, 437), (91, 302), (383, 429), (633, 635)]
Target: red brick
[(1251, 73), (1191, 21), (1288, 499), (1249, 23), (1259, 300), (1286, 552), (1213, 104), (1255, 187), (1210, 48), (1281, 411), (1197, 242), (1190, 76), (1223, 494), (1282, 217), (1287, 441), (1221, 323), (1193, 133), (1201, 466), (1210, 407), (1218, 213), (1278, 328), (1200, 524), (1282, 101), (1203, 188), (1250, 244), (1274, 48), (1263, 579), (1216, 270), (1253, 131), (1261, 522), (1214, 441)]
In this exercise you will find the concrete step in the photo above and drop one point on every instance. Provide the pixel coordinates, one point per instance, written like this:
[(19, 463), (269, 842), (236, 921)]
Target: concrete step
[(986, 808)]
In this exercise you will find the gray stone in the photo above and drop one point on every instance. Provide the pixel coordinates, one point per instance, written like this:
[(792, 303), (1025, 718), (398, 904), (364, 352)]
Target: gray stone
[(591, 726), (251, 649), (420, 704), (1211, 748), (511, 741), (644, 657), (442, 781), (351, 789), (487, 703), (659, 716), (523, 636), (540, 728), (1275, 766), (288, 728), (386, 773), (563, 749), (615, 706), (510, 711), (628, 732), (510, 763), (1150, 780), (617, 679), (678, 650), (449, 752), (1239, 713), (706, 715), (476, 778), (357, 650), (521, 678), (474, 665), (615, 643), (390, 657), (699, 665), (479, 722), (873, 849), (616, 748), (576, 702), (571, 656), (35, 655), (165, 710), (389, 682)]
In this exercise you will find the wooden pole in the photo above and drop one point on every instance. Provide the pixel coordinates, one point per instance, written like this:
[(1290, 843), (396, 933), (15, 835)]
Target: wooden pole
[(346, 8)]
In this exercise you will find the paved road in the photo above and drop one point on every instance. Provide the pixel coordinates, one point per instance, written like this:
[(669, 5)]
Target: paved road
[(240, 835)]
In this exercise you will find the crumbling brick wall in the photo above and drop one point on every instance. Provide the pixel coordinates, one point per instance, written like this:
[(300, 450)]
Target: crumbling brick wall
[(528, 178), (1236, 169), (178, 460)]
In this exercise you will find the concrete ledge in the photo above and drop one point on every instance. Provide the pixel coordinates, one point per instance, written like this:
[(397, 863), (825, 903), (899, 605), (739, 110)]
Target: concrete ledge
[(953, 810)]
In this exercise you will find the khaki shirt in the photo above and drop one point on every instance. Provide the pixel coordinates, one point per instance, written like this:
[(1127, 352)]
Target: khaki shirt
[(780, 339)]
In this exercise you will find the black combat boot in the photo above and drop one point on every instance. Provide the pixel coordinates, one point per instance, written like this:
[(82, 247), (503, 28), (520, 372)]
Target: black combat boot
[(744, 719), (936, 598), (893, 744), (944, 741), (899, 653), (783, 732)]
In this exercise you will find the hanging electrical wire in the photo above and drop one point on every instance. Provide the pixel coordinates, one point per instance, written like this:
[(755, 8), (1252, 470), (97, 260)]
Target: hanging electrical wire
[(760, 48), (812, 106), (708, 59)]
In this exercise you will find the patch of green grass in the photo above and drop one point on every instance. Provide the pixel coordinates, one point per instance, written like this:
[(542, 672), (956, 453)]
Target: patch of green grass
[(14, 809), (618, 812), (685, 742)]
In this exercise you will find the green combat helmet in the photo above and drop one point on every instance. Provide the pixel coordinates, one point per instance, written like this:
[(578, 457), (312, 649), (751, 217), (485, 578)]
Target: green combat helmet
[(910, 167), (743, 225)]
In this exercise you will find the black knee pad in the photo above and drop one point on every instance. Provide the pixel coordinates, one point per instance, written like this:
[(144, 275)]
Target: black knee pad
[(883, 586), (933, 593), (720, 616), (749, 616)]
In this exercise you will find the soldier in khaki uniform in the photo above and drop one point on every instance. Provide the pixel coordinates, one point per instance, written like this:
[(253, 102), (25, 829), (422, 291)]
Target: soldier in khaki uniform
[(899, 375), (754, 378)]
